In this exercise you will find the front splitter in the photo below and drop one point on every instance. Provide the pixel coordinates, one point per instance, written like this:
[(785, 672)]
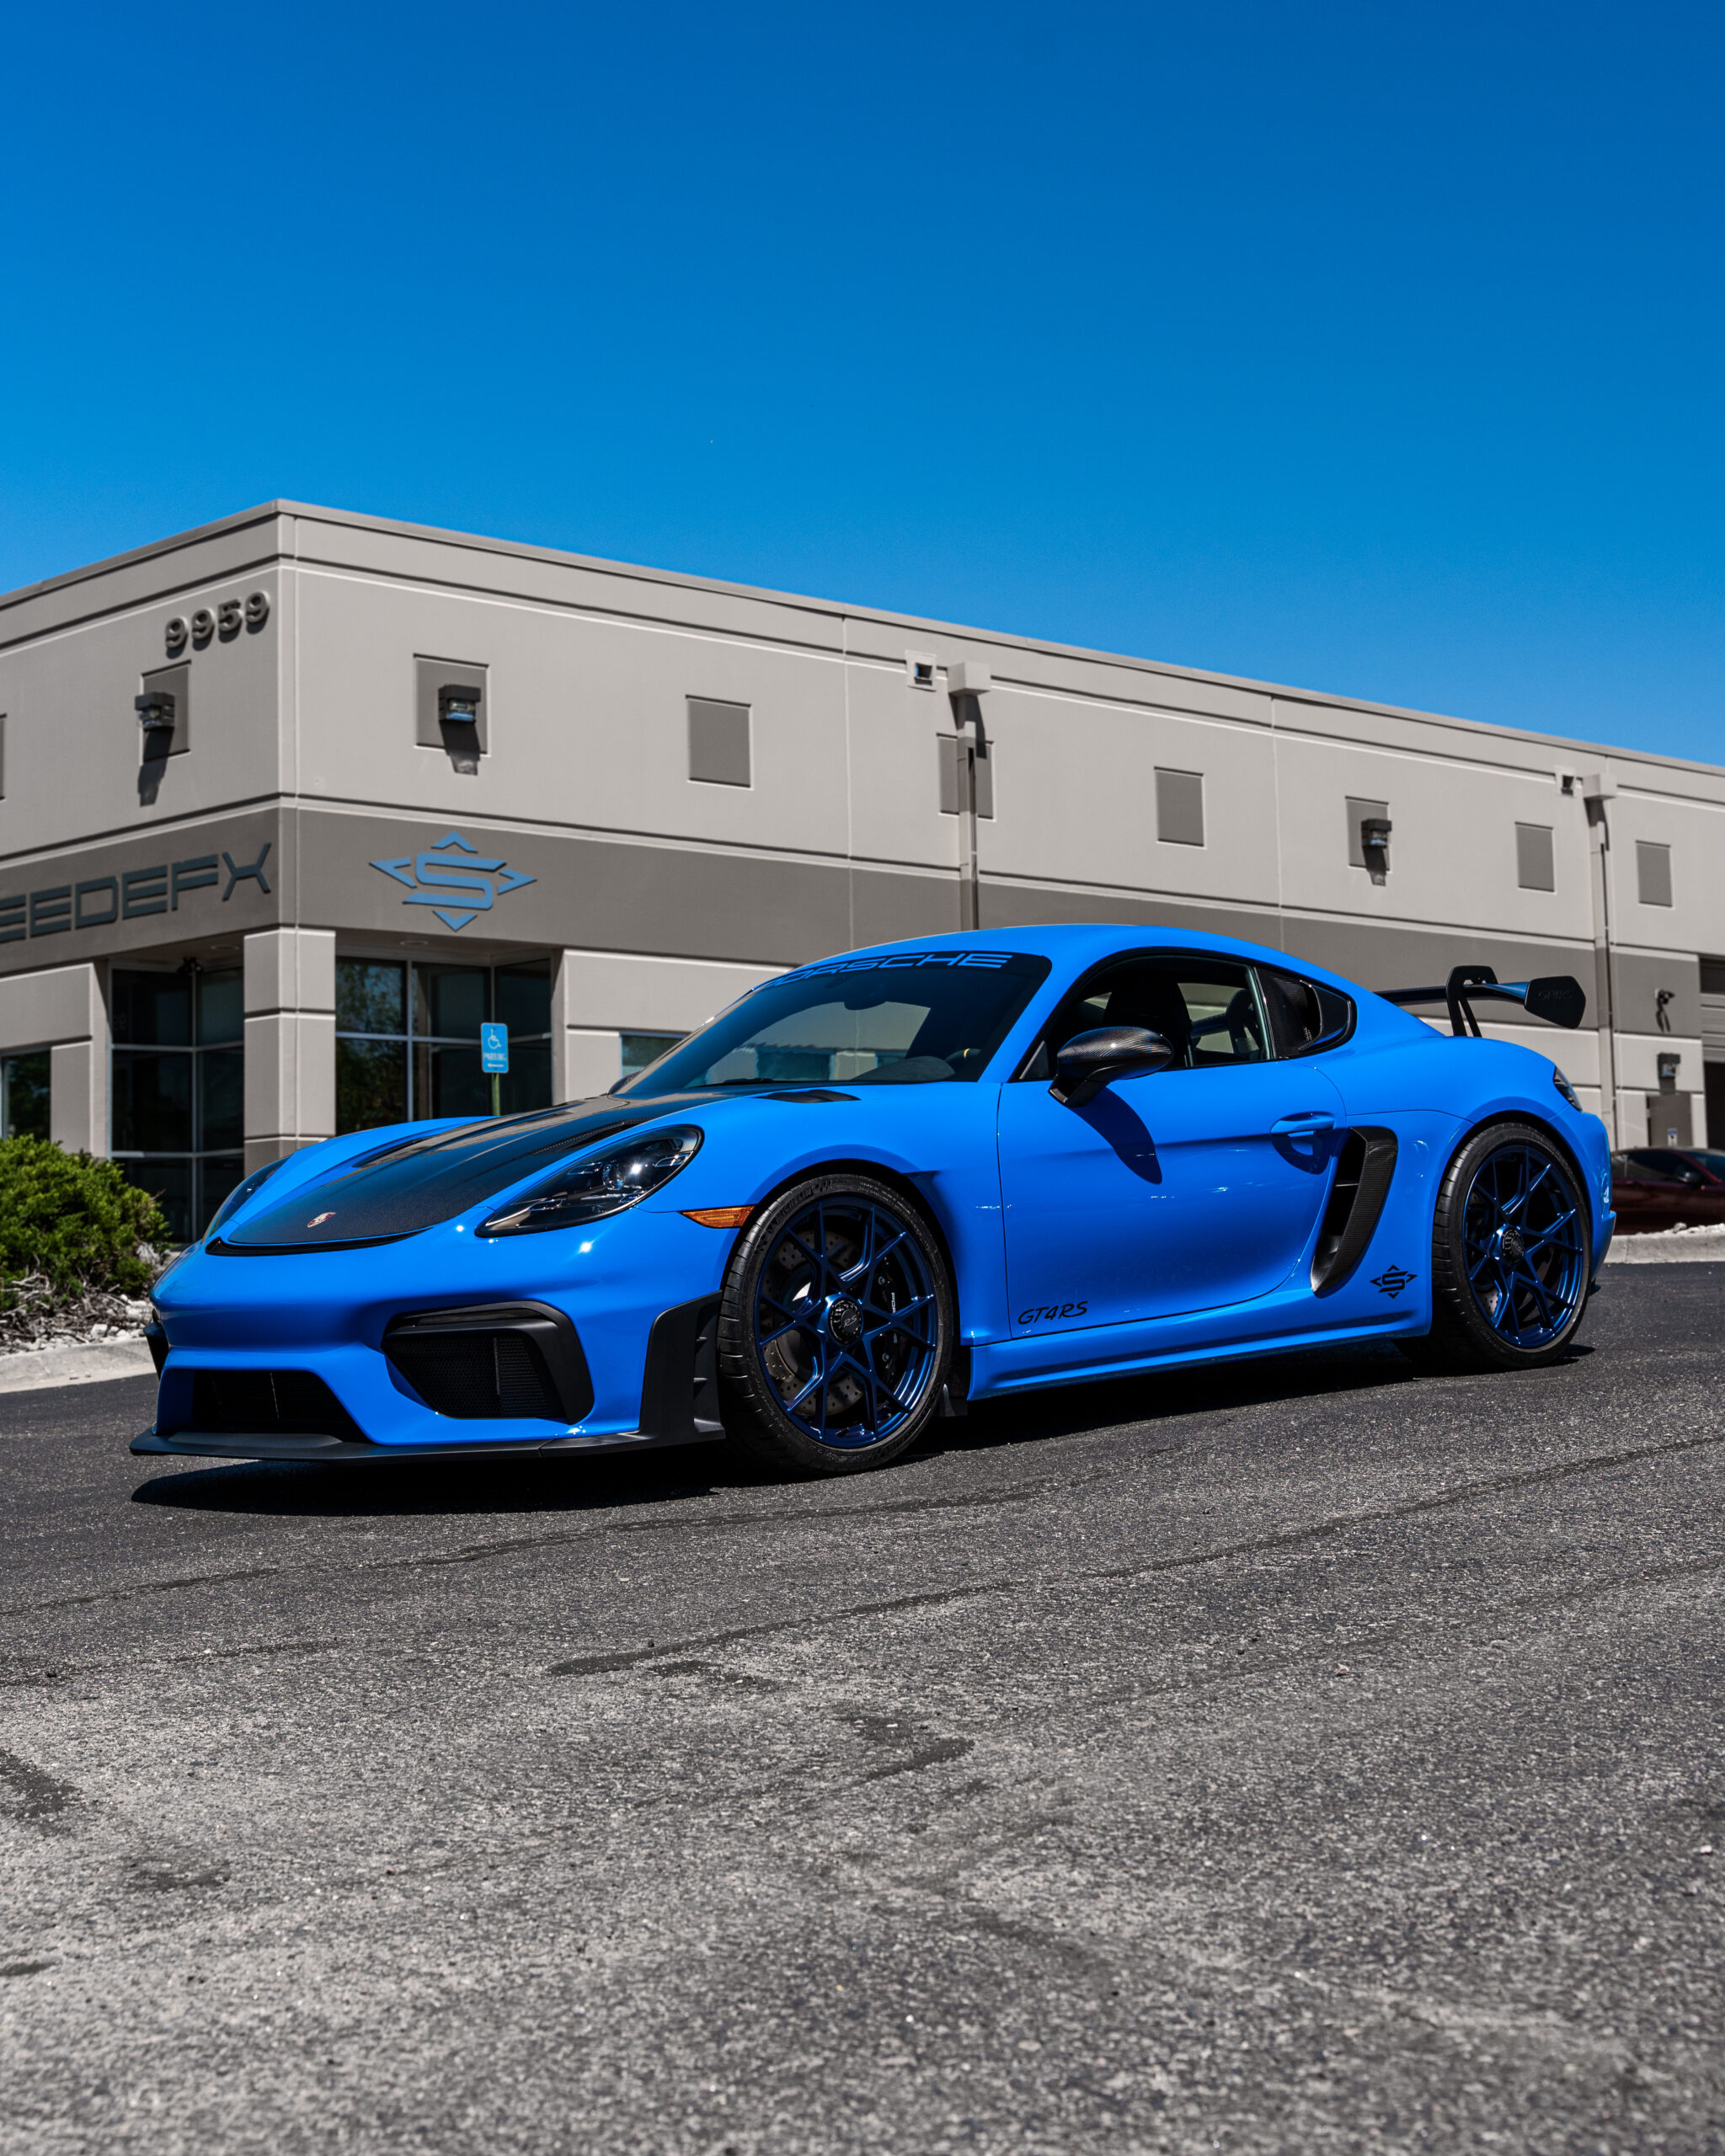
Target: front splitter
[(313, 1446)]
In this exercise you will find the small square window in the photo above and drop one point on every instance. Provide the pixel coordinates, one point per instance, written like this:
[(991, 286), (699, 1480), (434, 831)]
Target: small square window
[(1360, 813), (919, 668), (167, 730), (718, 742), (640, 1049), (452, 709), (1179, 808), (1653, 871), (1535, 869), (952, 748)]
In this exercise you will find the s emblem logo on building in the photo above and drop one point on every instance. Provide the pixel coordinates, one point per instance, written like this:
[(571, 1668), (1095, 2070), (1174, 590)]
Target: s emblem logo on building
[(454, 878)]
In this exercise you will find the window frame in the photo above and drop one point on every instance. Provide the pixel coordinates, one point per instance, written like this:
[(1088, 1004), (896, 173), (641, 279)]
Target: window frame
[(196, 1158), (1325, 1042), (410, 1038), (1040, 1051)]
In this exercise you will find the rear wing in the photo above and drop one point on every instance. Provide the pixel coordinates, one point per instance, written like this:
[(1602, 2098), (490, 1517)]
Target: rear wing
[(1556, 997)]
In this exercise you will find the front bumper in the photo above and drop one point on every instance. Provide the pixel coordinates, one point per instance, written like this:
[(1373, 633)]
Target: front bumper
[(243, 1334)]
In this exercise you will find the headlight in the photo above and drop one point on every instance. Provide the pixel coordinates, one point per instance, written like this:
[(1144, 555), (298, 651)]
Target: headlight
[(1565, 1088), (600, 1183)]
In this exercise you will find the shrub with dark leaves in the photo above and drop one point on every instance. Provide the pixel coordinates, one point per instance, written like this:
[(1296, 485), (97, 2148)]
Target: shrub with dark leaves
[(75, 1223)]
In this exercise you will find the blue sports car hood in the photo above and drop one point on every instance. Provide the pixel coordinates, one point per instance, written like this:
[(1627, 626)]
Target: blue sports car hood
[(420, 1182)]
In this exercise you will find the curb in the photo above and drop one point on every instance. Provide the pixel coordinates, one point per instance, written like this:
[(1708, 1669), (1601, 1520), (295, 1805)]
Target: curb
[(74, 1362)]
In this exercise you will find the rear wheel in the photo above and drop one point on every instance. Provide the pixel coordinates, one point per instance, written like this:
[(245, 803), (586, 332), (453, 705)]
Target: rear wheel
[(834, 1327), (1511, 1254)]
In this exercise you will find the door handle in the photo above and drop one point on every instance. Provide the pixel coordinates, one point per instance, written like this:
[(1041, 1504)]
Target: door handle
[(1302, 1126)]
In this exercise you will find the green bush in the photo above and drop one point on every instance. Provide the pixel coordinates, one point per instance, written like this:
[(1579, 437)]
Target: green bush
[(76, 1220)]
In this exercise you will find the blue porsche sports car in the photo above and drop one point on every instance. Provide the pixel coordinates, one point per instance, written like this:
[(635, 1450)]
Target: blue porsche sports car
[(878, 1188)]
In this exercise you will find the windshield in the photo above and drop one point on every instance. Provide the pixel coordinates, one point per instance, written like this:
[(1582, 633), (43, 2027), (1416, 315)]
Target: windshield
[(904, 1018)]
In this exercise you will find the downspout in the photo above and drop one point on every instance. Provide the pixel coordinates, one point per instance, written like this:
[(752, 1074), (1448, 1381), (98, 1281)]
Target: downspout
[(1597, 788), (967, 683)]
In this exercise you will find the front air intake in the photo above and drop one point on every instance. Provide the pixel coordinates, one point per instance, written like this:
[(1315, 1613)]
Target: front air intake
[(257, 1403), (495, 1362)]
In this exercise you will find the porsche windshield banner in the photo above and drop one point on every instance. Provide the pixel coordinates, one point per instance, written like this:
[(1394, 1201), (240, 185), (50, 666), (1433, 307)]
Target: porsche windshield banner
[(901, 961)]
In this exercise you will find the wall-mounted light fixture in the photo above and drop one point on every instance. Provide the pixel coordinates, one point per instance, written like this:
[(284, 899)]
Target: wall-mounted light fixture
[(155, 711), (453, 710)]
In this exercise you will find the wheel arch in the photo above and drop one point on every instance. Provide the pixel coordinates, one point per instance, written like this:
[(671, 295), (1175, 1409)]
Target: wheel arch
[(896, 1180), (1548, 1130)]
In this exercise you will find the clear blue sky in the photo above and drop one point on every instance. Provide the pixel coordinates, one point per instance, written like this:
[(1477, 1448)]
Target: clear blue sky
[(1371, 348)]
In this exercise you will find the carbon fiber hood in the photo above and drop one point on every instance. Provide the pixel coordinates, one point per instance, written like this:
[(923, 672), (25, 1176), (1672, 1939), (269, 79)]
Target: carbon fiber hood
[(422, 1181)]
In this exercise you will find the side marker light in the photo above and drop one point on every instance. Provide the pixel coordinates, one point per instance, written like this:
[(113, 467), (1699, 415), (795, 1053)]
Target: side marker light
[(720, 1216)]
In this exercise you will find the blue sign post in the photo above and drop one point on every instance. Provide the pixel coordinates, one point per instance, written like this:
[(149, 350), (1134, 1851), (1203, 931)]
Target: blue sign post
[(493, 1057)]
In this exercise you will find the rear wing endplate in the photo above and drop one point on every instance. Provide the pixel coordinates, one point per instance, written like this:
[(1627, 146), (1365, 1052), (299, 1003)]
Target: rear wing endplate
[(1559, 998)]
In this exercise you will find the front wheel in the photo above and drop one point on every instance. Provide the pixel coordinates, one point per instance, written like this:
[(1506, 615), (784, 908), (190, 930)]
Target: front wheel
[(1511, 1251), (834, 1327)]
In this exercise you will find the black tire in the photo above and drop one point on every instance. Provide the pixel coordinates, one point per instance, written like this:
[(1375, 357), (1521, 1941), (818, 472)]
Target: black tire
[(834, 1327), (1514, 1304)]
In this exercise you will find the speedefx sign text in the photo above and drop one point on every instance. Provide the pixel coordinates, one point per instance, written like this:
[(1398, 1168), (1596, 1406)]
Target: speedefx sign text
[(98, 901)]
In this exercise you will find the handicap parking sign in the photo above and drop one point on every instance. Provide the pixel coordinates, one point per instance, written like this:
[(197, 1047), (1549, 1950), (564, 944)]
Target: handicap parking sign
[(494, 1050)]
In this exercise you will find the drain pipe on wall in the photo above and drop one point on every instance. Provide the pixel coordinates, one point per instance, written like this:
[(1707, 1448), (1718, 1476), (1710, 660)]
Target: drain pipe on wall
[(967, 683), (1597, 788)]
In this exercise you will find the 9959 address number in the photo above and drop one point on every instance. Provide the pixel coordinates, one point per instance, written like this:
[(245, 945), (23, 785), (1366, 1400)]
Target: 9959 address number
[(225, 620)]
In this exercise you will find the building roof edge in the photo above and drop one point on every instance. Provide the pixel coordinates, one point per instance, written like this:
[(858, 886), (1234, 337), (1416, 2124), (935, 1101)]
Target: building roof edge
[(923, 625)]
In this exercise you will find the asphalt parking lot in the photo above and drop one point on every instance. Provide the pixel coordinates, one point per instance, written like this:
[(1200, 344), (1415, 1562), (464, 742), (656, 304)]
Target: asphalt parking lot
[(1297, 1756)]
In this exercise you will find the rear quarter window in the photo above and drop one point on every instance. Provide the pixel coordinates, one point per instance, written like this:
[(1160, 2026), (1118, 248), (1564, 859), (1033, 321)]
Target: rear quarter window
[(1305, 1015)]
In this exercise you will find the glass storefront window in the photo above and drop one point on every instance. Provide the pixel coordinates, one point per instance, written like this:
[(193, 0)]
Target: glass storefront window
[(407, 1039), (178, 1088), (639, 1049), (24, 1095)]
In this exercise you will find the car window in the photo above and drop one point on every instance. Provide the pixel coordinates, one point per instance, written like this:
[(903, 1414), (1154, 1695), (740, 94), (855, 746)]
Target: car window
[(1656, 1167), (1207, 1011), (1305, 1014), (887, 1018), (1711, 1163)]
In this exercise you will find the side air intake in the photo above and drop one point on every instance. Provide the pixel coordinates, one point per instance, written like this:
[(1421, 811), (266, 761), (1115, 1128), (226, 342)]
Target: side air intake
[(493, 1362), (1362, 1175)]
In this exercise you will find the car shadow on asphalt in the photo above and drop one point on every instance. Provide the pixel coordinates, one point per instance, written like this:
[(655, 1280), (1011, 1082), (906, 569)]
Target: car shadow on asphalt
[(1120, 1409)]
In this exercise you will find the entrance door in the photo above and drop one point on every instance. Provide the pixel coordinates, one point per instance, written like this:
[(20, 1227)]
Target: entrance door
[(1196, 1186)]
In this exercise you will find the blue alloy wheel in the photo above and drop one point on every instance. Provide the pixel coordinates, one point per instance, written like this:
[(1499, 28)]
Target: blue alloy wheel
[(847, 1321), (1525, 1241)]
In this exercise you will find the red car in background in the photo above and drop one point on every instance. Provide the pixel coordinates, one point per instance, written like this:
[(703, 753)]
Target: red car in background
[(1654, 1188)]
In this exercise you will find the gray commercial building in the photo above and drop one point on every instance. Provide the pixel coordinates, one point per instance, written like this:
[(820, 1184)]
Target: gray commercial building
[(293, 802)]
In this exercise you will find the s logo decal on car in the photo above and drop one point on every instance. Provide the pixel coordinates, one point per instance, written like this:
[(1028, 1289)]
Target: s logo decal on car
[(1392, 1280), (1051, 1313)]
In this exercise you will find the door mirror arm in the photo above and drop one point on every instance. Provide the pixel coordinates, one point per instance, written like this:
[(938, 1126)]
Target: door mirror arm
[(1090, 1061)]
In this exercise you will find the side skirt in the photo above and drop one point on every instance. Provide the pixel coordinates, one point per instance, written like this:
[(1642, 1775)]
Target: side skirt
[(992, 1380)]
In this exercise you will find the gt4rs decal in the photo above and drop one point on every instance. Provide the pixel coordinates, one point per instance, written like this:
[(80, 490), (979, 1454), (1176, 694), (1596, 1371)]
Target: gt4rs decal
[(1052, 1313)]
